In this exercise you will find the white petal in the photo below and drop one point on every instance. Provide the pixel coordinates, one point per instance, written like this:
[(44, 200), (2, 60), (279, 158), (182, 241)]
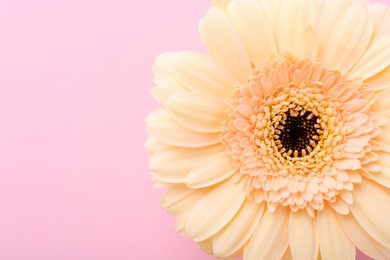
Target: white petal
[(334, 243), (254, 29), (172, 164), (361, 239), (270, 239), (198, 112), (295, 17), (303, 236), (375, 59), (224, 44), (200, 73), (214, 209), (239, 230), (371, 208), (349, 39), (212, 169), (329, 13), (160, 126), (381, 15)]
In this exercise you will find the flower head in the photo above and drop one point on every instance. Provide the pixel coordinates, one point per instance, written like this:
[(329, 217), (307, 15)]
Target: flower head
[(275, 143)]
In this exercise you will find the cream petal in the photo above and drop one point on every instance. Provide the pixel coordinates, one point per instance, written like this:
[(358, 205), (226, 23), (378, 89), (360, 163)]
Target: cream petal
[(340, 206), (160, 126), (349, 39), (334, 243), (371, 208), (200, 73), (270, 239), (181, 218), (220, 3), (206, 245), (303, 236), (224, 44), (382, 107), (162, 65), (381, 15), (287, 255), (231, 238), (380, 81), (254, 30), (163, 91), (157, 183), (295, 17), (361, 239), (383, 176), (198, 112), (212, 169), (152, 145), (172, 164), (348, 164), (330, 12), (178, 197), (309, 44), (214, 209), (375, 59)]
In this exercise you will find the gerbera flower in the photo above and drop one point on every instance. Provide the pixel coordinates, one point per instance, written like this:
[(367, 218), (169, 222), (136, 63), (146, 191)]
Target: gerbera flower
[(277, 142)]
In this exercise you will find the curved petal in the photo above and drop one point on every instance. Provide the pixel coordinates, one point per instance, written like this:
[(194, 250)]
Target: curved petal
[(223, 43), (381, 15), (383, 176), (214, 209), (172, 164), (302, 236), (152, 145), (334, 243), (361, 239), (270, 239), (162, 65), (212, 169), (380, 81), (330, 12), (254, 29), (220, 3), (371, 208), (375, 59), (160, 126), (178, 197), (200, 73), (165, 87), (232, 237), (349, 39), (198, 112), (382, 105), (295, 18)]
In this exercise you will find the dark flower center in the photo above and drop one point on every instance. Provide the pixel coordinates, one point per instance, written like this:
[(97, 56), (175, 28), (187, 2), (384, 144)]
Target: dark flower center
[(299, 134)]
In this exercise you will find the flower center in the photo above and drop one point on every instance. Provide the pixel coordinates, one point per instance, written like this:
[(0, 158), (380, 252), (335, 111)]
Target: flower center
[(297, 134), (288, 129)]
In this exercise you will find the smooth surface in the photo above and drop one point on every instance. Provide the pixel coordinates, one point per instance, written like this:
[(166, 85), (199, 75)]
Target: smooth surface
[(75, 77)]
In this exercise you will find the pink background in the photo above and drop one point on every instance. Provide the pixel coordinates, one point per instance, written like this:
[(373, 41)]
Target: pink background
[(74, 90)]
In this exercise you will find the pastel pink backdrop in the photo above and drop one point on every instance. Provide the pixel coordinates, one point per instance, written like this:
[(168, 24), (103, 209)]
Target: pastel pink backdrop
[(74, 91)]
